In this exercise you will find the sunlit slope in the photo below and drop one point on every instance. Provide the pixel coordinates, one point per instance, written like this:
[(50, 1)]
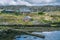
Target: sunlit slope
[(18, 19)]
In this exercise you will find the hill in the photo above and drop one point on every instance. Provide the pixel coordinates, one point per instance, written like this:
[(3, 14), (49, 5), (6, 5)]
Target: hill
[(46, 8)]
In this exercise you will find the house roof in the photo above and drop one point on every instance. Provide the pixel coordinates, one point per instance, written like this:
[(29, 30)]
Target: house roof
[(26, 9)]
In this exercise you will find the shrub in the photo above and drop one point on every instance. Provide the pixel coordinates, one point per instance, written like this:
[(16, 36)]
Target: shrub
[(41, 13), (16, 13)]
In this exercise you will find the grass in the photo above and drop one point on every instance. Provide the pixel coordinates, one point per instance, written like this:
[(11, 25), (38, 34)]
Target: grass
[(17, 19)]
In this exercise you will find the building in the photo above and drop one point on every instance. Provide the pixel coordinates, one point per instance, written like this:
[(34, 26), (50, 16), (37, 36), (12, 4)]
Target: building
[(8, 11), (1, 10), (25, 10)]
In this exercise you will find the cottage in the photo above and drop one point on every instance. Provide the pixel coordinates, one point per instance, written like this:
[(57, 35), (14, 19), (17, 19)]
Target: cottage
[(8, 11), (25, 10), (1, 10)]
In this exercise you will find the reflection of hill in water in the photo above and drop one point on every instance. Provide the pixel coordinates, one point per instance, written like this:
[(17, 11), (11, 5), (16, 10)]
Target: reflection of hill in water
[(54, 35), (11, 35)]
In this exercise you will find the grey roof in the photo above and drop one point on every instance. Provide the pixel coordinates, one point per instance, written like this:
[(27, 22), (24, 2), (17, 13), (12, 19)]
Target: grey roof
[(26, 9)]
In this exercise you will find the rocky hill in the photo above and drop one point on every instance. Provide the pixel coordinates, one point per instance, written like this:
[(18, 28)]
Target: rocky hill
[(46, 8)]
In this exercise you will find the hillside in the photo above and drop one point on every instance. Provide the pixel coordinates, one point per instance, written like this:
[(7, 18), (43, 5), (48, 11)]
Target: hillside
[(46, 8), (30, 19)]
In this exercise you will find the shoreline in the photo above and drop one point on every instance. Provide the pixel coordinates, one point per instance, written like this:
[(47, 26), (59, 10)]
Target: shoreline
[(10, 34), (31, 29)]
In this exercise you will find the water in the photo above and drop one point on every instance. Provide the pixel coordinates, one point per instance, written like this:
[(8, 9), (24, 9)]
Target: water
[(54, 35)]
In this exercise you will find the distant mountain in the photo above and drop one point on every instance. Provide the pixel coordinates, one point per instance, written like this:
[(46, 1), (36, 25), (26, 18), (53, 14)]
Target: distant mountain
[(45, 8)]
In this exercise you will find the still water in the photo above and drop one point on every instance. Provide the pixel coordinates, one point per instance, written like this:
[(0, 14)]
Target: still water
[(53, 35)]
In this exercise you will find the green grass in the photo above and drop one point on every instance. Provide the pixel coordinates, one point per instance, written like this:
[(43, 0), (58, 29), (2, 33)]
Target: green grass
[(17, 19)]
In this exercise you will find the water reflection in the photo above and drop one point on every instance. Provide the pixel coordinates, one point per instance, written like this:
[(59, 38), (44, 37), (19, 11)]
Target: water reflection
[(54, 35)]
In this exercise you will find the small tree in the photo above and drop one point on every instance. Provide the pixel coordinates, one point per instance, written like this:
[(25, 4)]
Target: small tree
[(17, 12), (41, 13)]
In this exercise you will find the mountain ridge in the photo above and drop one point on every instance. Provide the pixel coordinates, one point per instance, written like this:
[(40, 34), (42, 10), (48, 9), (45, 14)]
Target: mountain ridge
[(34, 8)]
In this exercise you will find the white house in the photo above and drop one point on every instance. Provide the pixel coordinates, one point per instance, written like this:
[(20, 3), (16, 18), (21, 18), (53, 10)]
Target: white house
[(25, 10)]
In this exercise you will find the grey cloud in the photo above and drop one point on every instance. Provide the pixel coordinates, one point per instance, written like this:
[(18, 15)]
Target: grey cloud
[(30, 2)]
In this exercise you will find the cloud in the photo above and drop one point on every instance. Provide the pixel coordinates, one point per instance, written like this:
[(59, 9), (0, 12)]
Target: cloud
[(19, 2), (40, 1), (30, 2), (14, 2), (44, 2)]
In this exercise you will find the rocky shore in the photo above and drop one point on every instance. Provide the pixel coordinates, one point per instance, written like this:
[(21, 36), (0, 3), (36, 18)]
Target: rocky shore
[(10, 34)]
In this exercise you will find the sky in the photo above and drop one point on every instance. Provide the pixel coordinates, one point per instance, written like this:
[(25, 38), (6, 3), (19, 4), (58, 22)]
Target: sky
[(30, 2)]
